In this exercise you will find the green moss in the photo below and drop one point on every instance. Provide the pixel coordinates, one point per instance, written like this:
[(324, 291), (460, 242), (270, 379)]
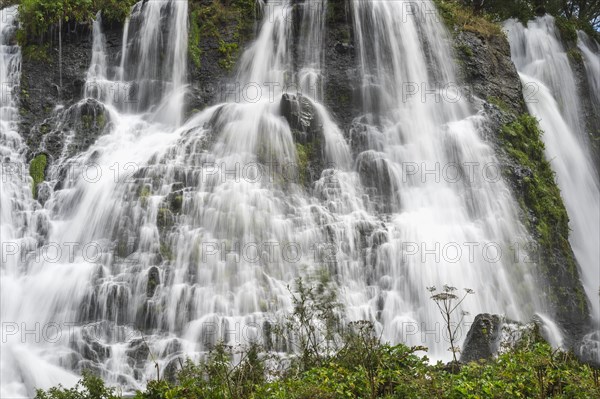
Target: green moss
[(230, 22), (166, 252), (499, 103), (465, 50), (176, 202), (37, 171), (87, 121), (575, 55), (194, 39), (101, 120), (541, 195), (229, 52), (304, 153)]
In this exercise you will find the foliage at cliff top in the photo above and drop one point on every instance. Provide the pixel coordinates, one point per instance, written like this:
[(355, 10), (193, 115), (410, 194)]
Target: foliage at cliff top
[(570, 14), (37, 16)]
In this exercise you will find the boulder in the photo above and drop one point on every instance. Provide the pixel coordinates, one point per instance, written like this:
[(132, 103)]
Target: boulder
[(483, 339)]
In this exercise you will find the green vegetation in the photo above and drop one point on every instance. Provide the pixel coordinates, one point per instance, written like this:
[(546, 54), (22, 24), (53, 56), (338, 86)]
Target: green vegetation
[(567, 28), (539, 197), (39, 53), (498, 103), (351, 362), (194, 38), (465, 50), (38, 16), (37, 171), (456, 16), (90, 387), (229, 22), (483, 16), (303, 152), (522, 141), (229, 52), (575, 55)]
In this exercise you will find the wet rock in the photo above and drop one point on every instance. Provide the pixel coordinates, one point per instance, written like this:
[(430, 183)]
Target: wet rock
[(171, 369), (483, 339), (341, 78), (41, 76), (164, 219), (44, 191), (153, 281), (377, 178), (307, 131), (210, 82), (488, 69), (588, 350), (88, 120), (300, 113), (138, 352)]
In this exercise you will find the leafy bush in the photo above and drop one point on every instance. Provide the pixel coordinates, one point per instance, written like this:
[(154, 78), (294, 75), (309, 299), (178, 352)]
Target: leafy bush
[(90, 387), (360, 367)]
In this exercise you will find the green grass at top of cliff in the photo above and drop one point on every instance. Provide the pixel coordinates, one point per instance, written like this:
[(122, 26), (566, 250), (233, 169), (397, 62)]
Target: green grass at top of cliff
[(457, 16), (37, 171), (38, 16)]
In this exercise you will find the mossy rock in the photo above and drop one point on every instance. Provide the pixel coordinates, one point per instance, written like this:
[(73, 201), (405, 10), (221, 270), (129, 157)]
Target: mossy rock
[(37, 171)]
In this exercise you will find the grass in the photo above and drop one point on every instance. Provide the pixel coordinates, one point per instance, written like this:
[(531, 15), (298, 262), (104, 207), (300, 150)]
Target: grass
[(458, 17)]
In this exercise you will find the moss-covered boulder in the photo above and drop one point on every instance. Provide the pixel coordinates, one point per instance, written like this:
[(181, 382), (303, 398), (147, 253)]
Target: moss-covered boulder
[(307, 131)]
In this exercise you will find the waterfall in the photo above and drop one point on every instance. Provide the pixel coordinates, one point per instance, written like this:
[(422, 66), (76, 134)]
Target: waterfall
[(176, 234), (419, 120), (543, 65), (591, 60), (21, 364)]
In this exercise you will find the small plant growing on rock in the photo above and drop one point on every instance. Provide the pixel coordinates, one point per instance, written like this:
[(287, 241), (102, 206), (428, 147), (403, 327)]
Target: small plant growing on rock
[(448, 302)]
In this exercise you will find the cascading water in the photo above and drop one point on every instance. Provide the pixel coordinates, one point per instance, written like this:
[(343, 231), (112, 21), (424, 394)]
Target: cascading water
[(542, 61), (591, 60), (177, 235), (416, 120), (551, 95), (20, 364)]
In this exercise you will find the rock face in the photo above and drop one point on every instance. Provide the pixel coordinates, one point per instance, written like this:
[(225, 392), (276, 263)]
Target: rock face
[(341, 79), (378, 180), (82, 124), (300, 113), (488, 70), (43, 71), (211, 76), (483, 339)]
